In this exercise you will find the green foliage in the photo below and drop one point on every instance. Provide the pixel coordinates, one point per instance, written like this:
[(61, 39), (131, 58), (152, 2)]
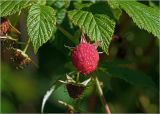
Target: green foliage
[(131, 48), (41, 23), (48, 94), (7, 106), (11, 7), (96, 24), (99, 27), (145, 17), (113, 4), (61, 13), (41, 2), (134, 77), (61, 8), (117, 13)]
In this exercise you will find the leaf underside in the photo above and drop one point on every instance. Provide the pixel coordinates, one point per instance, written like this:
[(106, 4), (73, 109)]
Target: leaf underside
[(131, 76)]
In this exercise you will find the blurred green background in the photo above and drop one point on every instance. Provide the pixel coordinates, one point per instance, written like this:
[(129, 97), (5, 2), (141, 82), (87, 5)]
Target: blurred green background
[(130, 73)]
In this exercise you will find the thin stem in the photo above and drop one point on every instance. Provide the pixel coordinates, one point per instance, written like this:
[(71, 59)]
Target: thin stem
[(22, 43), (16, 30), (70, 108), (26, 46), (66, 33), (103, 100), (68, 47), (8, 37)]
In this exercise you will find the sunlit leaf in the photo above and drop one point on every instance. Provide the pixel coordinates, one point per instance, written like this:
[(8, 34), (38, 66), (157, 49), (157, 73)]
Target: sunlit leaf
[(41, 24), (9, 7), (145, 17), (99, 27)]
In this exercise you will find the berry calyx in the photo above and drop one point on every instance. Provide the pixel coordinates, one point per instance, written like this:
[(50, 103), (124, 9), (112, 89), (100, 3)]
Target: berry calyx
[(75, 90), (85, 57)]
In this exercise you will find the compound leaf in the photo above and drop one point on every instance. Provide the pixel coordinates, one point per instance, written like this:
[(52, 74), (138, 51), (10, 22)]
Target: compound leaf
[(9, 7), (41, 24), (99, 27), (145, 17)]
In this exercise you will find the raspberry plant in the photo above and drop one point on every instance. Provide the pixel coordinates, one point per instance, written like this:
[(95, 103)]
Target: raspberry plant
[(95, 22)]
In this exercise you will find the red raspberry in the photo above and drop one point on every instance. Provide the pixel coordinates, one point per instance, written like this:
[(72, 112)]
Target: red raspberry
[(85, 57), (4, 26)]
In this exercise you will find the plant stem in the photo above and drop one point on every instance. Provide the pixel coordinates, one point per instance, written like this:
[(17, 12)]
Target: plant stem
[(70, 108), (22, 43), (27, 45), (16, 30), (103, 100), (66, 33)]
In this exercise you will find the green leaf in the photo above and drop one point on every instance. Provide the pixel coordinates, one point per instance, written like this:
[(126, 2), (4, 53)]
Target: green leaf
[(115, 9), (117, 13), (145, 17), (61, 13), (80, 5), (132, 76), (60, 8), (98, 26), (60, 4), (113, 4), (48, 94), (12, 6), (41, 24), (41, 2)]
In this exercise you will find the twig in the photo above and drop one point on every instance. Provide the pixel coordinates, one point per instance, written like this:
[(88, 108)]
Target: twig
[(16, 30), (70, 108), (103, 100), (26, 46)]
